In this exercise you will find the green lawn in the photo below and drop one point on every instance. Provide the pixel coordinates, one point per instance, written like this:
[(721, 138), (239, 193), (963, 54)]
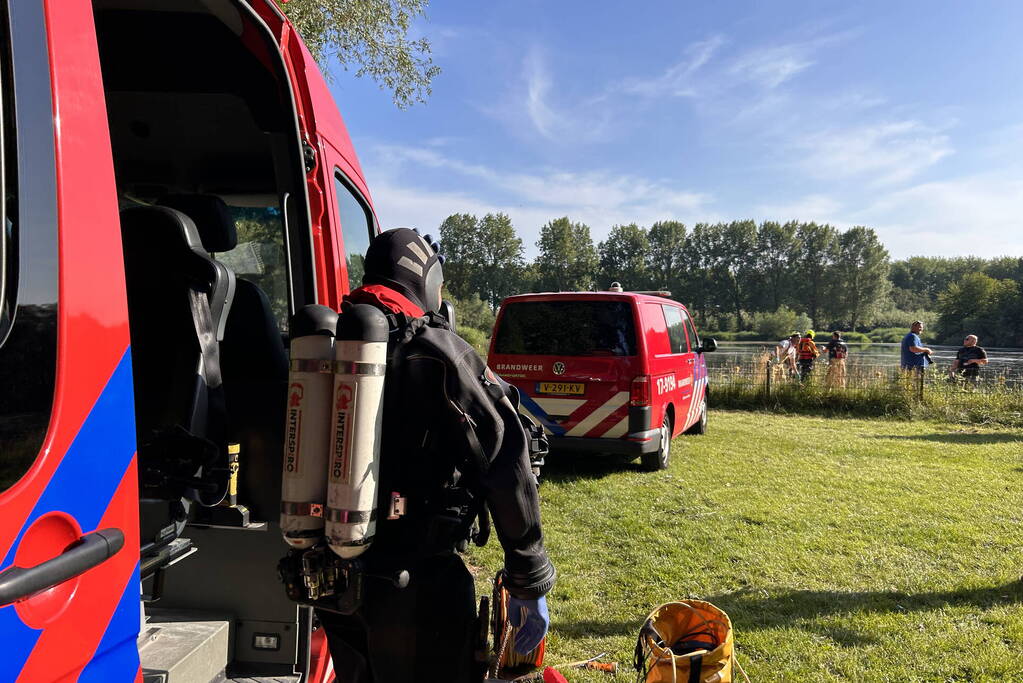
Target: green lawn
[(842, 549)]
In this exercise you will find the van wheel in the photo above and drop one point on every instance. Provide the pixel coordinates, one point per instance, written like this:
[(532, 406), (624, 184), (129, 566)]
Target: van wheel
[(658, 460), (700, 427)]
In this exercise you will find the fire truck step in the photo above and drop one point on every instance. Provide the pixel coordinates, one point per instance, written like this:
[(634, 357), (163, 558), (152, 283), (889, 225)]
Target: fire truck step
[(178, 646)]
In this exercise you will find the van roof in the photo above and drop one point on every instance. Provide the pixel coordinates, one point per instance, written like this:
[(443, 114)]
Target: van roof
[(588, 296)]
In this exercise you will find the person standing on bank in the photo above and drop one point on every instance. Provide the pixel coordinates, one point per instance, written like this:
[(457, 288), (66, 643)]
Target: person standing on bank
[(451, 441), (968, 360), (837, 352), (807, 352), (785, 353), (915, 356)]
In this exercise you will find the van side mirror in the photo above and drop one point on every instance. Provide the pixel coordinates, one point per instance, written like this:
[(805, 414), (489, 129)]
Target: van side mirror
[(447, 309), (710, 344)]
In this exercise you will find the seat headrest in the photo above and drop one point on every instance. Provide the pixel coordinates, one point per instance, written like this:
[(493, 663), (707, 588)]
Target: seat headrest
[(210, 215)]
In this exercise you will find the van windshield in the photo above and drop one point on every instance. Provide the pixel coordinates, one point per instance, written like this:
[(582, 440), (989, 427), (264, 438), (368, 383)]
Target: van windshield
[(567, 328)]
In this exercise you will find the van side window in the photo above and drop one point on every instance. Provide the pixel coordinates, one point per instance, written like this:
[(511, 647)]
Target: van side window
[(676, 329), (356, 229), (694, 340), (28, 268), (655, 331)]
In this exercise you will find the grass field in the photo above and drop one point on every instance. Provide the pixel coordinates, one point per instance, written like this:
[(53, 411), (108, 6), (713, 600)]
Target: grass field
[(842, 549)]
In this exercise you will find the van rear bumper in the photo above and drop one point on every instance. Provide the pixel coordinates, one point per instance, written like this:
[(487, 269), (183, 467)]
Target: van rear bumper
[(634, 444)]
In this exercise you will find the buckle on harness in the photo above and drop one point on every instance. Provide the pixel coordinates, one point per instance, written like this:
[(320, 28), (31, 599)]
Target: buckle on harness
[(396, 506)]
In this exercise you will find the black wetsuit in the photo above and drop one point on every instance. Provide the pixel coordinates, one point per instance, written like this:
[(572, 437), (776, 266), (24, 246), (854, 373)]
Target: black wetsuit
[(451, 439)]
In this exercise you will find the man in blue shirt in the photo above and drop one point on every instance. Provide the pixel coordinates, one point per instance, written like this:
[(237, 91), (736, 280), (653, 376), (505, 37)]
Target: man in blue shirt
[(915, 356)]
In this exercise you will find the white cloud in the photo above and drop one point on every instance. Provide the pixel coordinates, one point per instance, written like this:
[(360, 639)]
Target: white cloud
[(771, 66), (552, 110), (538, 85), (881, 153), (980, 215), (678, 79), (599, 199), (814, 207)]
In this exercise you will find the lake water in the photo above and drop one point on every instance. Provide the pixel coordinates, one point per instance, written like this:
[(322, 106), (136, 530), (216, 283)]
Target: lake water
[(1002, 361)]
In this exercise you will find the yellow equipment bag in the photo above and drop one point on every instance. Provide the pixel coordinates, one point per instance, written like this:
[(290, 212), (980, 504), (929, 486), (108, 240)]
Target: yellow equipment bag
[(686, 642)]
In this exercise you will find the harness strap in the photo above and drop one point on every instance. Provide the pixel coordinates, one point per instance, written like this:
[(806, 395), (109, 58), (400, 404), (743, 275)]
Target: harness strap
[(202, 320)]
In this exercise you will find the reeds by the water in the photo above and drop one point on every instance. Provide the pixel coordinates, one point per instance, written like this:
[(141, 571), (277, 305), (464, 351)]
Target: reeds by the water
[(867, 391)]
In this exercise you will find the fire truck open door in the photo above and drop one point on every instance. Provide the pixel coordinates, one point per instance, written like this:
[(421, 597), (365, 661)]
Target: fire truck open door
[(69, 576)]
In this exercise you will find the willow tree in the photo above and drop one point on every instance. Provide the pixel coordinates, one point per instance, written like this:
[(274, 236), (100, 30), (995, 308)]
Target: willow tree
[(372, 37)]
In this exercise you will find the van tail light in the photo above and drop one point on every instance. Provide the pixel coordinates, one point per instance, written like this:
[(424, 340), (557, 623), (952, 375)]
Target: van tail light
[(640, 393)]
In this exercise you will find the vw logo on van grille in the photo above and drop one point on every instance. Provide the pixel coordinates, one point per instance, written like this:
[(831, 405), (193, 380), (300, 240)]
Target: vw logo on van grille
[(559, 368)]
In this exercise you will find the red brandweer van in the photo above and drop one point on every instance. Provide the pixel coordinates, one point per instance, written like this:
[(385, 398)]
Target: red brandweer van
[(175, 181), (605, 372)]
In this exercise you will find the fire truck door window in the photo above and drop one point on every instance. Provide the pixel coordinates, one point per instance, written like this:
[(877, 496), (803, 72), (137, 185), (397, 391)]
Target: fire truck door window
[(356, 229), (676, 329), (28, 255), (694, 341), (259, 256)]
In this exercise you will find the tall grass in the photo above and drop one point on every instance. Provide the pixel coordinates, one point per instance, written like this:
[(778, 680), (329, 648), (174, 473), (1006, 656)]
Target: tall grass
[(868, 391)]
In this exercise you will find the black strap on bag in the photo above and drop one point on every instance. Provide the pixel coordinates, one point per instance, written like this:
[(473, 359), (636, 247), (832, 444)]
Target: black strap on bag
[(695, 668)]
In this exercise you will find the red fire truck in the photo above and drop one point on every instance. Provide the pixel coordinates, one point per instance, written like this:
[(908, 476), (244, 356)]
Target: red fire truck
[(614, 372), (176, 182)]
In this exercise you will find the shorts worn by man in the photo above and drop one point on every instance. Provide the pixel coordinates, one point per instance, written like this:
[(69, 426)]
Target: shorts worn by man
[(915, 356), (968, 360), (451, 440)]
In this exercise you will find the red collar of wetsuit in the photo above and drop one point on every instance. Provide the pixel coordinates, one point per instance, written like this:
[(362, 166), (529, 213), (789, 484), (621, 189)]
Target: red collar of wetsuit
[(385, 297)]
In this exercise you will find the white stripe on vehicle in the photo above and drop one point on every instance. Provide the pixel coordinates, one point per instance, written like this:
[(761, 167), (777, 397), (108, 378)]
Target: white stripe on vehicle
[(618, 430), (694, 405), (559, 406), (599, 415)]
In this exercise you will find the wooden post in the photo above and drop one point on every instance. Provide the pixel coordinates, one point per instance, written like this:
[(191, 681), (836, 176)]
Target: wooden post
[(767, 381)]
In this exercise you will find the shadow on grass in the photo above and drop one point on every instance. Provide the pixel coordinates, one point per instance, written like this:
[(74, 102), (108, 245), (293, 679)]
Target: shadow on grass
[(962, 439), (600, 629), (569, 467), (749, 610)]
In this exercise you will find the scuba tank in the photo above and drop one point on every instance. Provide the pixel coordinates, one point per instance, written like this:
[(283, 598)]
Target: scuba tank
[(357, 416), (307, 426)]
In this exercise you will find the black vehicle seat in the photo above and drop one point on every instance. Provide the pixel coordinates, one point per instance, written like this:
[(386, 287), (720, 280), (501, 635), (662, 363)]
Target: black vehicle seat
[(217, 233), (254, 363), (181, 419)]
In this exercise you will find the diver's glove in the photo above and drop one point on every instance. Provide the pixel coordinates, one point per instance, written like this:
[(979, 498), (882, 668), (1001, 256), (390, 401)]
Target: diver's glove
[(532, 620)]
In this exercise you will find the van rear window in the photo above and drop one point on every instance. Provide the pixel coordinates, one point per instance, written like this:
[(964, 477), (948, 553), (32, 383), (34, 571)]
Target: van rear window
[(567, 328)]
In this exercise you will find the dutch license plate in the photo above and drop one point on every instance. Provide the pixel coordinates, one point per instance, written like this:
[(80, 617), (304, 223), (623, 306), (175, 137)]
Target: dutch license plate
[(570, 388)]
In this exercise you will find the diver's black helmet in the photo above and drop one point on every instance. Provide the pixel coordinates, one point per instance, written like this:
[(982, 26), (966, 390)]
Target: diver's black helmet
[(408, 262)]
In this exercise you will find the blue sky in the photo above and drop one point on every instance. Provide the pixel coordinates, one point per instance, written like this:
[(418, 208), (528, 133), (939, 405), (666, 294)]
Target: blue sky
[(903, 116)]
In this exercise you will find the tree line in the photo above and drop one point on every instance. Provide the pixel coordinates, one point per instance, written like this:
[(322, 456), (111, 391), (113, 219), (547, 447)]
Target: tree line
[(742, 275)]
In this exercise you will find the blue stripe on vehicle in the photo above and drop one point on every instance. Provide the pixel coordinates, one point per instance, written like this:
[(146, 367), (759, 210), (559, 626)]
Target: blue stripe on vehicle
[(19, 640), (538, 412), (82, 486), (117, 657)]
